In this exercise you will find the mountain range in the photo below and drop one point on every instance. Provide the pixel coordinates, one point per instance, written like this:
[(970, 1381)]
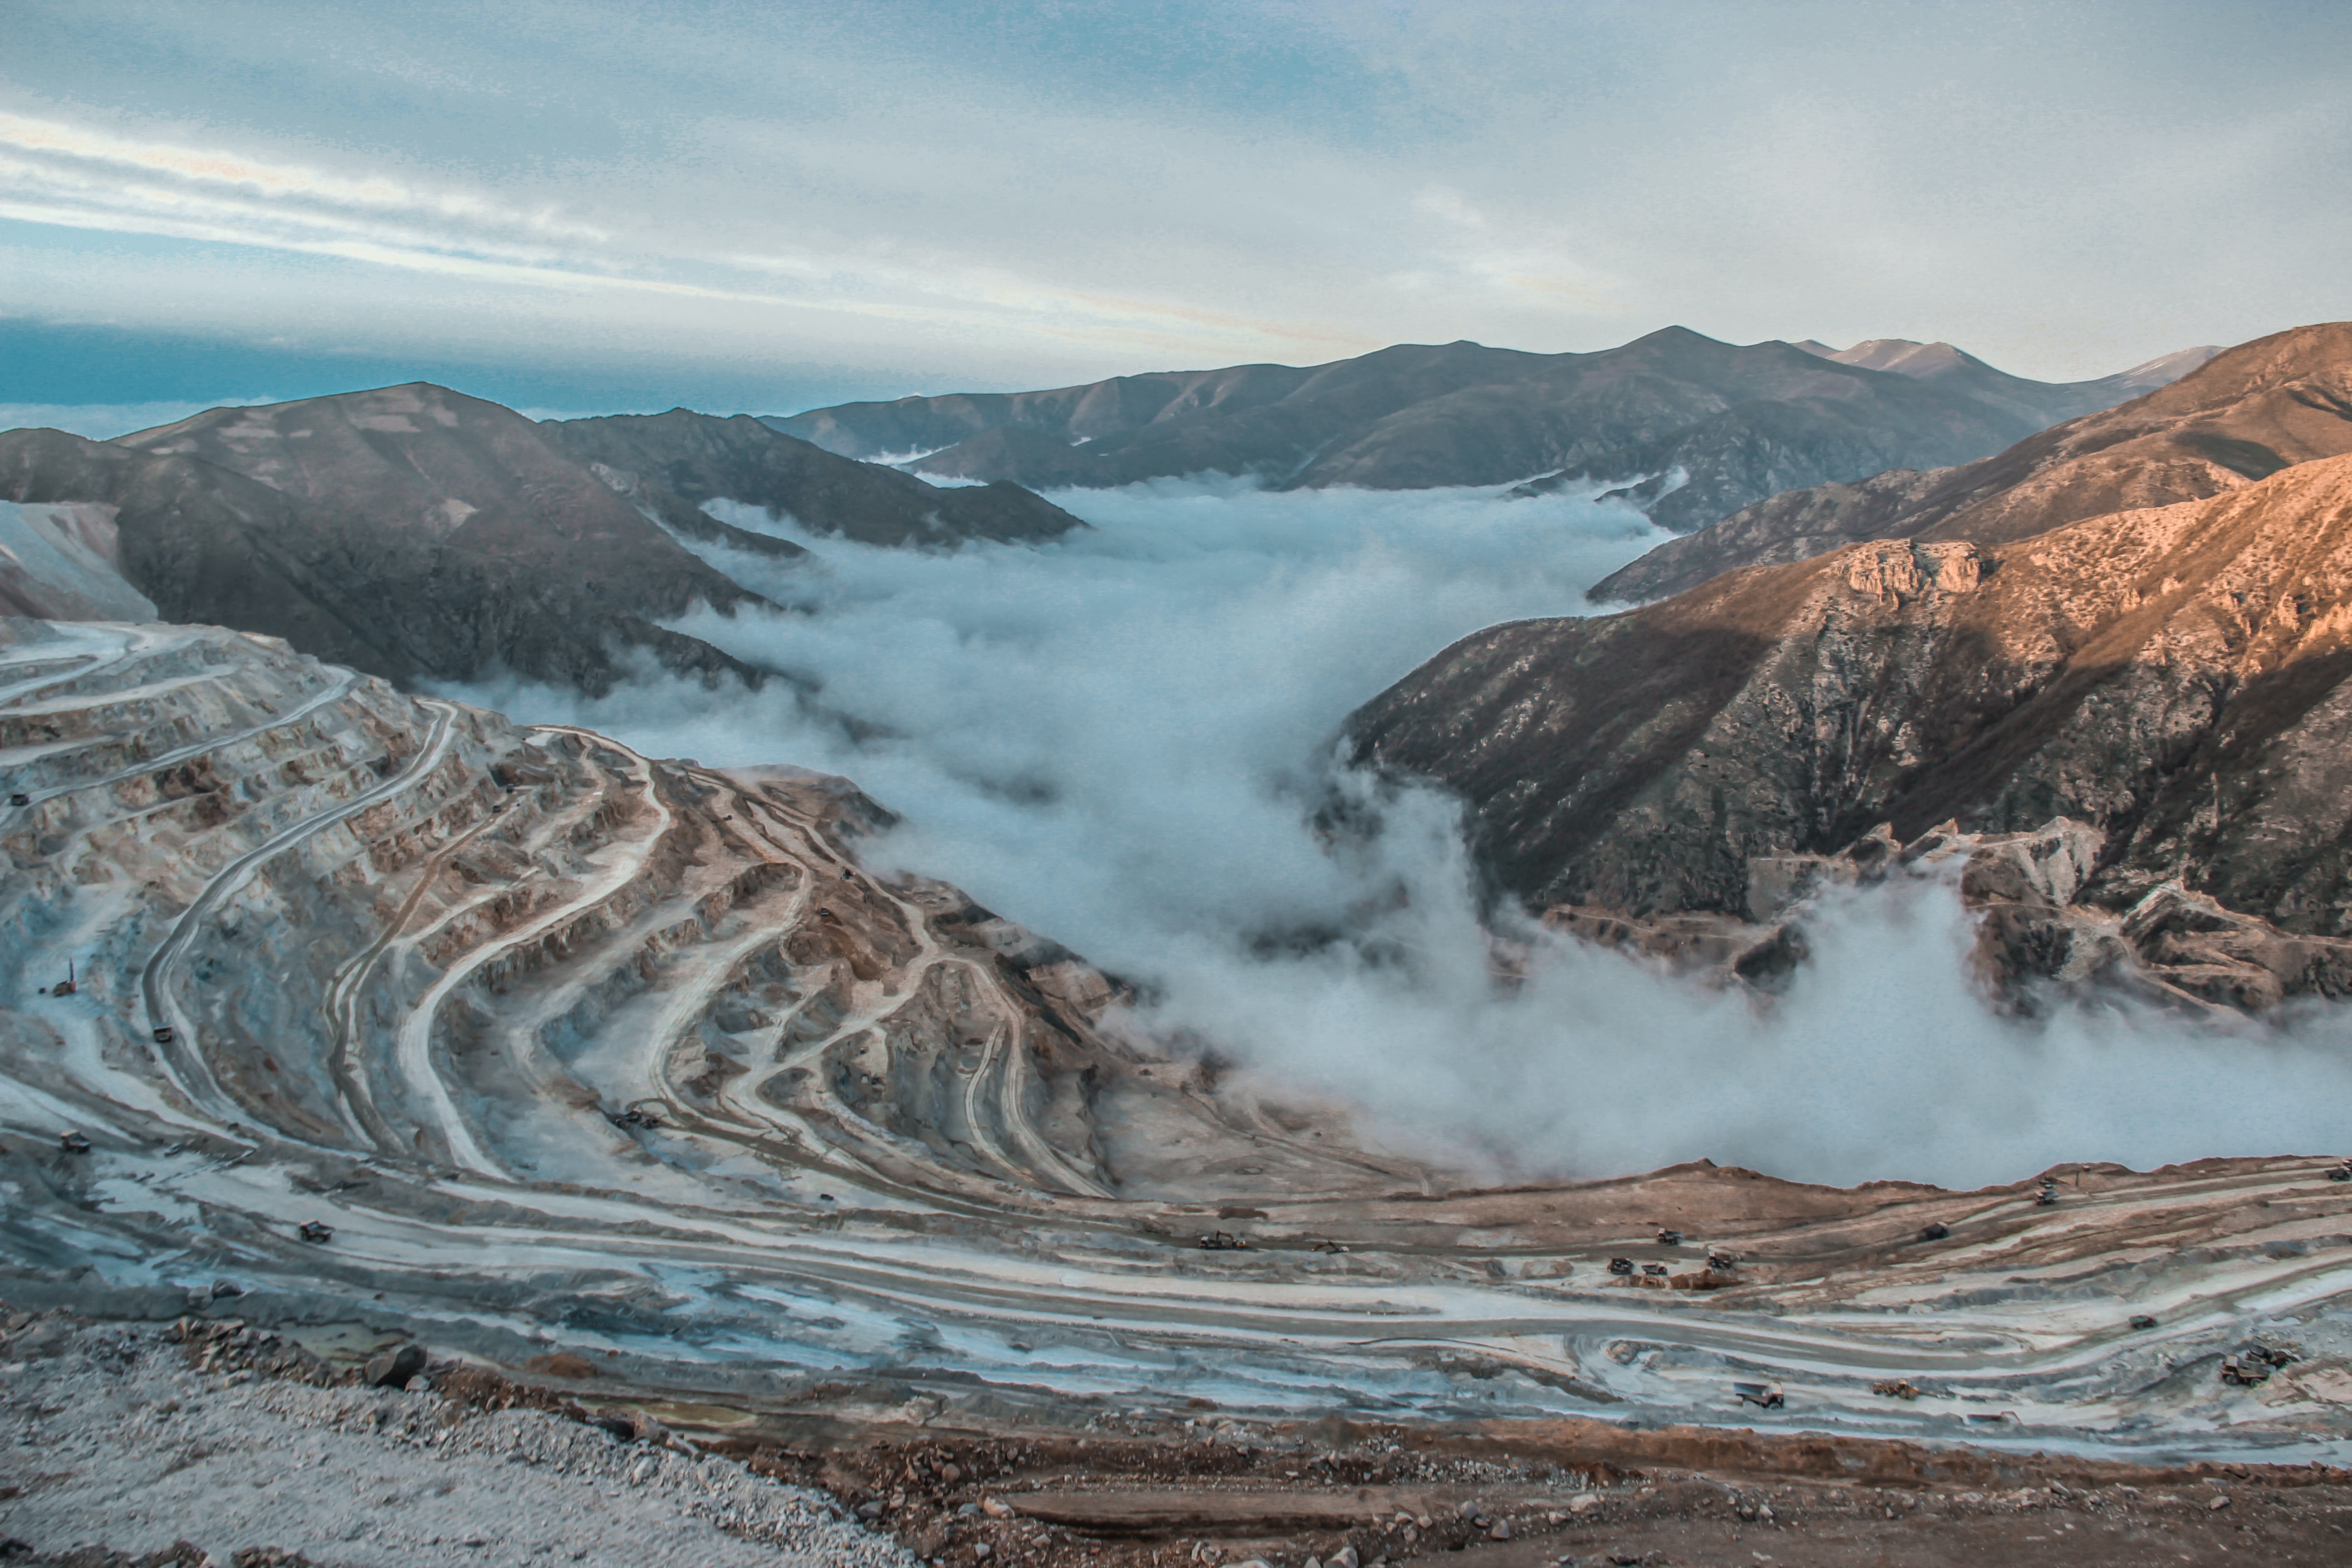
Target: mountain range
[(420, 534), (2163, 679), (1712, 426), (2124, 634), (689, 1136), (2238, 417)]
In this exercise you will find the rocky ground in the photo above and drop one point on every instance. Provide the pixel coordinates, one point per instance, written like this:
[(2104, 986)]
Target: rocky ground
[(211, 1443), (119, 1444)]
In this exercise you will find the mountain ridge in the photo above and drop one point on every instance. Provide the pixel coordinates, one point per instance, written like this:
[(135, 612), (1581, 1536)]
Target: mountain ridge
[(1744, 421), (2173, 677), (421, 534), (700, 458), (2237, 417)]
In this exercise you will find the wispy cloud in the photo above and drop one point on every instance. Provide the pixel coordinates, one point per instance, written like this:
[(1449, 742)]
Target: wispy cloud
[(66, 175), (1056, 192), (73, 145)]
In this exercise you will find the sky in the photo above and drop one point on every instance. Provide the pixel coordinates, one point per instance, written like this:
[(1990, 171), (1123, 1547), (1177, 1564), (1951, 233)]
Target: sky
[(593, 206)]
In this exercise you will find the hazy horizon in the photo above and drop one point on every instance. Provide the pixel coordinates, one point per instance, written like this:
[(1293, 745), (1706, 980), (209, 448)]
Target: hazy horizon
[(596, 208)]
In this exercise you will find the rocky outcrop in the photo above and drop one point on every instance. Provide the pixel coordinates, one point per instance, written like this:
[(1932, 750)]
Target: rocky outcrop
[(2237, 418), (2171, 678), (692, 459), (1736, 422), (2034, 935)]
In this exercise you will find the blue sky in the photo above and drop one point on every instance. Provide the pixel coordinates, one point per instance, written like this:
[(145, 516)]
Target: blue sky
[(767, 207)]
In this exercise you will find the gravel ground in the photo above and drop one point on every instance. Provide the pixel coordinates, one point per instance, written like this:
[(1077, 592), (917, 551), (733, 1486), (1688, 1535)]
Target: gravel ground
[(109, 1439)]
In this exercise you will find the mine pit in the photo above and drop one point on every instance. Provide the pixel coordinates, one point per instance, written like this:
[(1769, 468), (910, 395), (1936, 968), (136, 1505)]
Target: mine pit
[(629, 1095)]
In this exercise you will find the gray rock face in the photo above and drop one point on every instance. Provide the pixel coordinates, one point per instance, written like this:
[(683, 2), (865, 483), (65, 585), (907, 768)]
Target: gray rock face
[(395, 1367), (1740, 423), (2172, 677), (2236, 419)]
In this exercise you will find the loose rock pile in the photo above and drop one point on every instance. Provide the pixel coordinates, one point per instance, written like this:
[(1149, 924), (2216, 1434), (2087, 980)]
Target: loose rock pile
[(214, 1444)]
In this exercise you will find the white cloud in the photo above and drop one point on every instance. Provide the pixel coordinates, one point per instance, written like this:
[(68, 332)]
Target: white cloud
[(1120, 740)]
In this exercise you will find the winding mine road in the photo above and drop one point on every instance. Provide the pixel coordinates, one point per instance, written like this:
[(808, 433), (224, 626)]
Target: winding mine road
[(412, 1052), (182, 1059)]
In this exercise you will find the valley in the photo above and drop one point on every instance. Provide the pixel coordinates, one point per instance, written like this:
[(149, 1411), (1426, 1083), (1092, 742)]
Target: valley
[(683, 1099), (570, 1049), (1175, 787)]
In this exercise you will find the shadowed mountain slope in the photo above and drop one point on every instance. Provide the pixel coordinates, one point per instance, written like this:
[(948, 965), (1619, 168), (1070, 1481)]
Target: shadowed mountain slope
[(2174, 678), (698, 457), (1740, 422), (2239, 417), (411, 533)]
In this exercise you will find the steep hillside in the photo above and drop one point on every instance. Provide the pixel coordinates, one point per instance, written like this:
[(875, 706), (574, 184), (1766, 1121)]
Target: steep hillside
[(699, 457), (1740, 423), (410, 532), (420, 534), (2172, 677), (2238, 418)]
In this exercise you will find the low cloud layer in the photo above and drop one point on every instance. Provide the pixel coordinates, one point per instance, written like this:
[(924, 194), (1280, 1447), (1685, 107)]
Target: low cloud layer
[(1119, 741)]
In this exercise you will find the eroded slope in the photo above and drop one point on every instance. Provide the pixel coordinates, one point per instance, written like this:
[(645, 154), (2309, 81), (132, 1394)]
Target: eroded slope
[(2172, 678)]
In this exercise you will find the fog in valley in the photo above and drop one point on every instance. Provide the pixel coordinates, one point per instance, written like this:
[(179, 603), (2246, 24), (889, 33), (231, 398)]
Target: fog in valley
[(1123, 739)]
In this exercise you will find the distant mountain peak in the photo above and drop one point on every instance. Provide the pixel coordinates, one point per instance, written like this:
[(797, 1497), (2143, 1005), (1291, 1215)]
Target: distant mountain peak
[(1743, 420), (2165, 369), (2181, 427), (1905, 356)]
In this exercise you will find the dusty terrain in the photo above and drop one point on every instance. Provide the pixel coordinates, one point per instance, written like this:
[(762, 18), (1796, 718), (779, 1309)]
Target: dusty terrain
[(120, 1444), (622, 1086), (525, 1045)]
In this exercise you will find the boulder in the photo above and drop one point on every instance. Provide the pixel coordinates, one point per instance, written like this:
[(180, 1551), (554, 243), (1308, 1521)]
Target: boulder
[(393, 1368)]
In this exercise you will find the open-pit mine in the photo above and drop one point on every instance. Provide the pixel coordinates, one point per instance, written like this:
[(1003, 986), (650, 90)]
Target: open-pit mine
[(622, 1074)]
